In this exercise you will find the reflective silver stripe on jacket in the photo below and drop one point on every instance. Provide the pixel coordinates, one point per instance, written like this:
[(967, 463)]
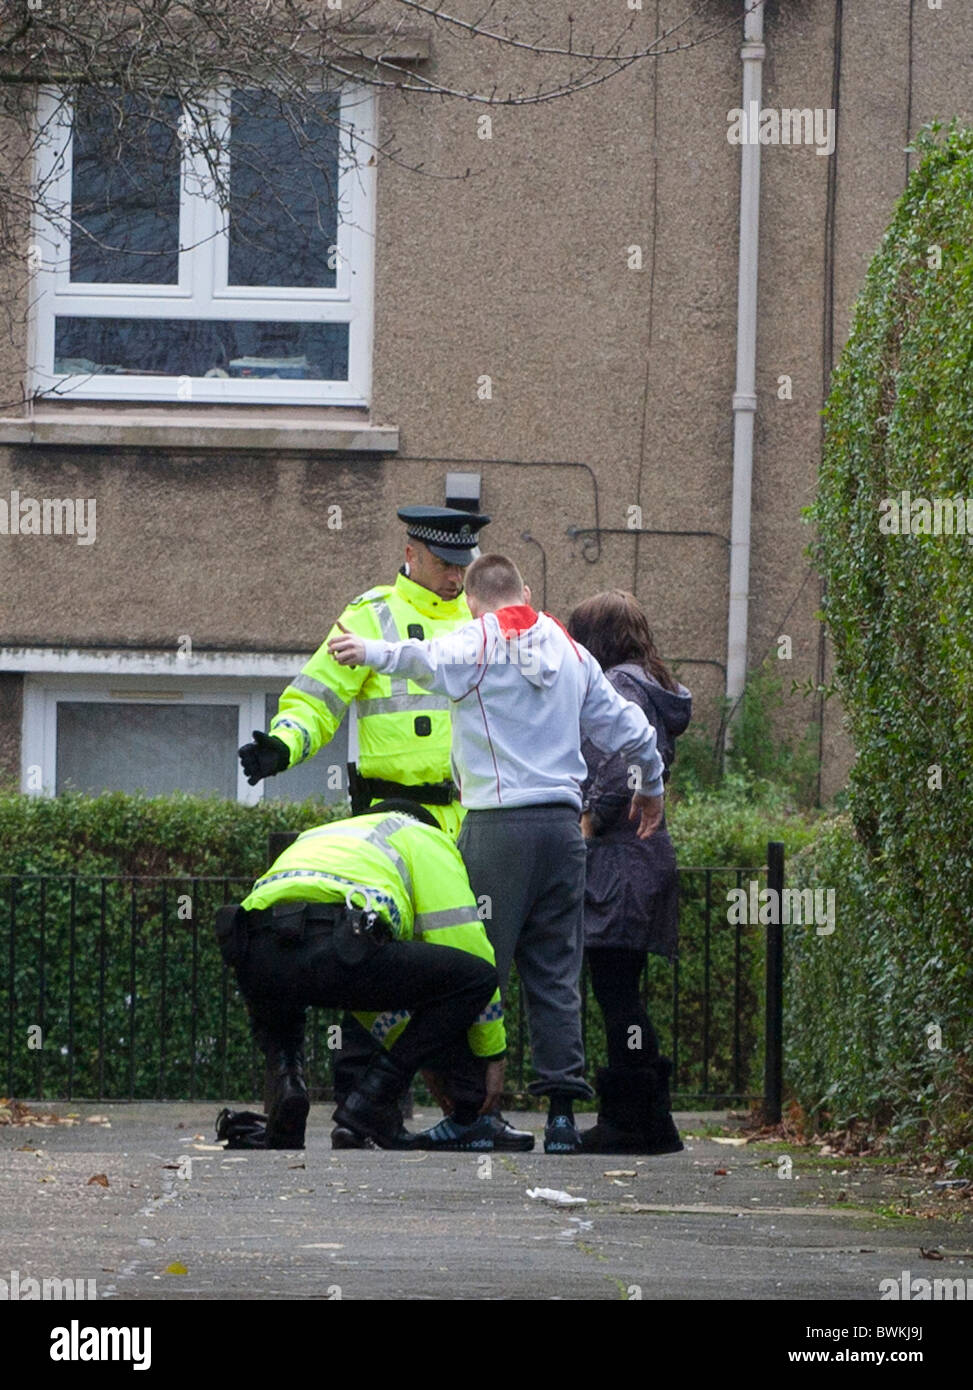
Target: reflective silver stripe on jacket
[(386, 622), (376, 835), (379, 900), (390, 633), (309, 686), (448, 917), (284, 723), (396, 704)]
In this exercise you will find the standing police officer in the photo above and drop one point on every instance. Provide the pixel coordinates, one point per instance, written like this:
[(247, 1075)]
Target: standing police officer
[(403, 731)]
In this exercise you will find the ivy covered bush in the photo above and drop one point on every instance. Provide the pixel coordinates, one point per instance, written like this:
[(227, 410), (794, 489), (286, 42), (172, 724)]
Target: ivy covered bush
[(881, 1013)]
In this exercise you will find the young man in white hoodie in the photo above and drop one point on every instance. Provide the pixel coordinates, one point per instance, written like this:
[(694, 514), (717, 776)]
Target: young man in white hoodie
[(523, 697)]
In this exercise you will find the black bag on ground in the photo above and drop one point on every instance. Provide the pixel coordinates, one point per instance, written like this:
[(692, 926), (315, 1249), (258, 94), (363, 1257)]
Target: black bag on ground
[(242, 1129)]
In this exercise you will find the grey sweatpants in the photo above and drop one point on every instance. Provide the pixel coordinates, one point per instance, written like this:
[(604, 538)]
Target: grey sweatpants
[(529, 863)]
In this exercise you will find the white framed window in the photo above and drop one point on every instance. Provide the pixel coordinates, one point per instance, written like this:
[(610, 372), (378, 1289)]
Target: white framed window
[(159, 733), (148, 289)]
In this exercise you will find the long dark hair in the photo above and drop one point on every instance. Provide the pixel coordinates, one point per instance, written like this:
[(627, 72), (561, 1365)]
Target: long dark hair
[(614, 628)]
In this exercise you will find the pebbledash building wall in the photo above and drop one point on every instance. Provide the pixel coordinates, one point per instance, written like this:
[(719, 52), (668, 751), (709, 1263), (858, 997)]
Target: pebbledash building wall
[(228, 534)]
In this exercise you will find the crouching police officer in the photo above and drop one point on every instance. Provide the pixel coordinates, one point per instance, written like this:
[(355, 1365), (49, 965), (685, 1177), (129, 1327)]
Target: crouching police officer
[(355, 914)]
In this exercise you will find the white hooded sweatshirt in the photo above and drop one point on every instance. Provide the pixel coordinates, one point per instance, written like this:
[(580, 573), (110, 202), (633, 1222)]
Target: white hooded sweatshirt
[(523, 695)]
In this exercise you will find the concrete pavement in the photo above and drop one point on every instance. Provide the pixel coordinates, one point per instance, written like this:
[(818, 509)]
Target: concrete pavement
[(180, 1218)]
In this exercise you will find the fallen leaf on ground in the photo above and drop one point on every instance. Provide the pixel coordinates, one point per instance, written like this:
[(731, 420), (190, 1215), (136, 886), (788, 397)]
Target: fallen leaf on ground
[(621, 1173), (175, 1268), (98, 1178), (15, 1112), (721, 1172), (736, 1143), (931, 1254)]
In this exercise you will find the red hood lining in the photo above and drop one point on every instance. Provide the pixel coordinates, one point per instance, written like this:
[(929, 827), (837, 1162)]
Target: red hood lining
[(516, 617)]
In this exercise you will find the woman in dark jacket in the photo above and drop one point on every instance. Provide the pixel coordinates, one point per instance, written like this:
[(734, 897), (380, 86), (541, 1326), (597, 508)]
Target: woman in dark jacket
[(631, 896)]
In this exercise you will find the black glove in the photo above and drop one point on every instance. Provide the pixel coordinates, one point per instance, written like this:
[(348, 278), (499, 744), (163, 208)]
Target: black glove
[(265, 757)]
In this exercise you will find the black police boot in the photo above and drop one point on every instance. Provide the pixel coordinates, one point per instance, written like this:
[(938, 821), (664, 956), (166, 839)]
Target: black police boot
[(505, 1137), (341, 1136), (287, 1102), (344, 1138), (372, 1110)]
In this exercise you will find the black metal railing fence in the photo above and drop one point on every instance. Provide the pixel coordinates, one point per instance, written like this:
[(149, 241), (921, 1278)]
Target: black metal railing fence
[(112, 988)]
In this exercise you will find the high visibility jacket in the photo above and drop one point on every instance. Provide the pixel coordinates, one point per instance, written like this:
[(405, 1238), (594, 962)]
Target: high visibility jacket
[(412, 875), (403, 730)]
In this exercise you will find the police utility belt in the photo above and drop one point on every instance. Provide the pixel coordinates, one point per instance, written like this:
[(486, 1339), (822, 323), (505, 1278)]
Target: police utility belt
[(354, 930), (365, 790), (425, 793)]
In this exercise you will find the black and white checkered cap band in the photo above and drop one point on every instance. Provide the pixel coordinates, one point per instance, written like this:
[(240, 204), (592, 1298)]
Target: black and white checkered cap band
[(462, 539)]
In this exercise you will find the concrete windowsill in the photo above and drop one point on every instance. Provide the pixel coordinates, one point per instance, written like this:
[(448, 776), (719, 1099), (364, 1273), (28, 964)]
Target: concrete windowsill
[(375, 47), (178, 429)]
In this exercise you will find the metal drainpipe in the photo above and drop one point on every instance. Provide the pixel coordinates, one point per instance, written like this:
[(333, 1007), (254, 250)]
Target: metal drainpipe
[(744, 396)]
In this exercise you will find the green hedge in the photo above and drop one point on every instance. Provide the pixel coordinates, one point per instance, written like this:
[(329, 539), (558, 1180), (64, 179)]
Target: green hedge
[(900, 612), (120, 834)]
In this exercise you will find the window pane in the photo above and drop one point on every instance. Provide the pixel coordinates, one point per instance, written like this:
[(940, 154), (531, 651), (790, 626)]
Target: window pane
[(328, 766), (125, 189), (282, 224), (151, 748), (210, 347)]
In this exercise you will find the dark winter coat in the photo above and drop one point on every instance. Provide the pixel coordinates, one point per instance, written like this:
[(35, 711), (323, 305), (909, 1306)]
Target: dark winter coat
[(631, 896)]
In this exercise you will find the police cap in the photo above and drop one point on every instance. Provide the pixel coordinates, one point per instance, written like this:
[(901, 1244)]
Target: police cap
[(448, 532)]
